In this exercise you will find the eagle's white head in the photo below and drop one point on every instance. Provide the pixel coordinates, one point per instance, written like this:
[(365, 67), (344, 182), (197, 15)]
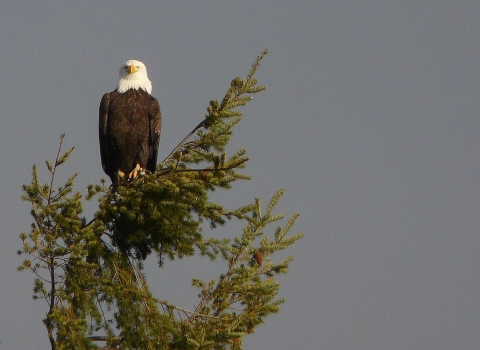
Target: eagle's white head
[(133, 75)]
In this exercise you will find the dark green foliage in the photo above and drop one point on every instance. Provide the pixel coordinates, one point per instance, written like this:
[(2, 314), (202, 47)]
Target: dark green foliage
[(91, 275), (59, 243)]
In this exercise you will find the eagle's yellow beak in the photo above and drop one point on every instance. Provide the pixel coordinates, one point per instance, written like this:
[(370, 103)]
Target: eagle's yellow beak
[(132, 69)]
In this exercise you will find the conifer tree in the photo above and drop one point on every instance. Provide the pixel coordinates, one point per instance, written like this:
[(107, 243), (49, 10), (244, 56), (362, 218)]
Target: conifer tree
[(90, 273)]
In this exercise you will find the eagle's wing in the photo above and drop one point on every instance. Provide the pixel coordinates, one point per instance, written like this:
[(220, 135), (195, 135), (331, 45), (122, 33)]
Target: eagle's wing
[(103, 136), (155, 122)]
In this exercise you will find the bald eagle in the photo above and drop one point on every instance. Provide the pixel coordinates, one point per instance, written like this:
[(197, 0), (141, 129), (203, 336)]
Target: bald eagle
[(129, 126)]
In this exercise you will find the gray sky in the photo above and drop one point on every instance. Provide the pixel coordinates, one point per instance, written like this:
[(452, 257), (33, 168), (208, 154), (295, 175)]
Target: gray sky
[(370, 122)]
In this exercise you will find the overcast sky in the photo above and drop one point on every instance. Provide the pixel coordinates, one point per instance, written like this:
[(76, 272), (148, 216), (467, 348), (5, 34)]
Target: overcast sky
[(370, 122)]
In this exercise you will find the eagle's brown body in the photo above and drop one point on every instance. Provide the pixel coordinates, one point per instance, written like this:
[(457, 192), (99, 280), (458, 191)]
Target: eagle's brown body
[(129, 132)]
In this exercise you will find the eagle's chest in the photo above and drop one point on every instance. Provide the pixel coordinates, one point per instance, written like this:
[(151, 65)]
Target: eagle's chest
[(128, 115)]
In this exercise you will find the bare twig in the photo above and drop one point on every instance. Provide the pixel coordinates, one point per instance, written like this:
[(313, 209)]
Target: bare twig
[(202, 123)]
